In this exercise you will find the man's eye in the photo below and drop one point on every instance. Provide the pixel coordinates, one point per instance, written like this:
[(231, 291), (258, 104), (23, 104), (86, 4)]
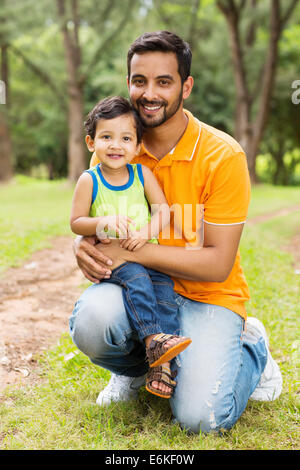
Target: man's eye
[(164, 82), (138, 82)]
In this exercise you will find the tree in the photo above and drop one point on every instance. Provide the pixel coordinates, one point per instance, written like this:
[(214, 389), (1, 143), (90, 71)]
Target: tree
[(76, 79), (253, 103), (75, 19), (280, 147), (199, 23), (6, 167)]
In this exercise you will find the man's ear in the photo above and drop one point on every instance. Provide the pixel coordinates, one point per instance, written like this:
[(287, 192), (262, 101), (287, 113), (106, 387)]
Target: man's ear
[(89, 143), (187, 87)]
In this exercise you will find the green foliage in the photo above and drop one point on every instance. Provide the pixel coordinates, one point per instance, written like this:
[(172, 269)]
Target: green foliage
[(281, 145), (38, 117)]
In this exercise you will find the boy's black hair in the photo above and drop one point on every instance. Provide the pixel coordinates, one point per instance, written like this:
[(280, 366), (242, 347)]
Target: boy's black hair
[(163, 41), (110, 108)]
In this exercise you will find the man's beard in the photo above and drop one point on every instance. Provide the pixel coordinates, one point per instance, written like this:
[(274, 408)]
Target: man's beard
[(167, 114)]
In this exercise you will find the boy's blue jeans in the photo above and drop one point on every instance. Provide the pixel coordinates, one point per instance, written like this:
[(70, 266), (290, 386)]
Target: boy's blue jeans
[(148, 298), (217, 374)]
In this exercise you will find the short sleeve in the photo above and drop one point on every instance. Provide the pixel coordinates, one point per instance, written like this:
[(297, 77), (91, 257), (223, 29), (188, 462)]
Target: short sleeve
[(228, 193)]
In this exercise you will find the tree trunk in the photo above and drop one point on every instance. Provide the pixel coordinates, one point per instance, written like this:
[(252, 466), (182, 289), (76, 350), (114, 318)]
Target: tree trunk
[(268, 81), (77, 154), (69, 25), (6, 167), (76, 148)]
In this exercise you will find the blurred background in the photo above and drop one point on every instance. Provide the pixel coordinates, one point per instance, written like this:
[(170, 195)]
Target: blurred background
[(59, 57)]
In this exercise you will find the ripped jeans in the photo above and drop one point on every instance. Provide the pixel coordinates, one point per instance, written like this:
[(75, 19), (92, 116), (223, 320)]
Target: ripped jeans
[(217, 373)]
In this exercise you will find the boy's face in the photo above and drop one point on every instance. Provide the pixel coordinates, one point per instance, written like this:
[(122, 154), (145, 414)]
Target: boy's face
[(155, 87), (115, 142)]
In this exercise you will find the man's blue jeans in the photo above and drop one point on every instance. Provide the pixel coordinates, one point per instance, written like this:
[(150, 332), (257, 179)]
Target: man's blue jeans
[(217, 373), (149, 299)]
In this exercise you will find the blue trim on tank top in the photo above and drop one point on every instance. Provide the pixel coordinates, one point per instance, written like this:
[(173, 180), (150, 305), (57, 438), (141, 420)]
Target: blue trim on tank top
[(95, 184), (117, 188), (140, 172)]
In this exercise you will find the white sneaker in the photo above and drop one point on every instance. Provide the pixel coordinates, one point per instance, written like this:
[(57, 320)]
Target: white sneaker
[(120, 388), (270, 385)]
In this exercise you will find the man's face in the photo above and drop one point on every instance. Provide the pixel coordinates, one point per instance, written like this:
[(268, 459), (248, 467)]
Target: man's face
[(155, 87)]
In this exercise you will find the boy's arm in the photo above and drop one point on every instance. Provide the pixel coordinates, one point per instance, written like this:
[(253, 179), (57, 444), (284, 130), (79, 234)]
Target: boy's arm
[(80, 222)]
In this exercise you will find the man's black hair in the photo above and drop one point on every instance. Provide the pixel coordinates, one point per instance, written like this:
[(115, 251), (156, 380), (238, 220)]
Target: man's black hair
[(163, 41)]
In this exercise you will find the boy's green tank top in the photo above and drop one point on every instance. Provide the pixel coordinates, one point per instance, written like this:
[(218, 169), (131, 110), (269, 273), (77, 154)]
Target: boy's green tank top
[(128, 200)]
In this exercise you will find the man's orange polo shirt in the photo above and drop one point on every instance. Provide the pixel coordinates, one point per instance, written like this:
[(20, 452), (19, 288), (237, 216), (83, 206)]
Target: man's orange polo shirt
[(206, 167)]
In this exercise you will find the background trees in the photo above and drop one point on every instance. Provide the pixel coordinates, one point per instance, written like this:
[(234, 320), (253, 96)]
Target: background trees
[(59, 57), (254, 90)]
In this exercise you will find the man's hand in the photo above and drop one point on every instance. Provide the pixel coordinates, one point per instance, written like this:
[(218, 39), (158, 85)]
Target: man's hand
[(94, 264), (115, 252)]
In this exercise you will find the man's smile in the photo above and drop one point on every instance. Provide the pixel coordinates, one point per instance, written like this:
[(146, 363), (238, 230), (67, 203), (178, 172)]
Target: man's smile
[(150, 108)]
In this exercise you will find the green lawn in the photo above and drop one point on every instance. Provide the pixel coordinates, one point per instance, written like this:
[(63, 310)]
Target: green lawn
[(61, 413), (31, 211), (266, 198)]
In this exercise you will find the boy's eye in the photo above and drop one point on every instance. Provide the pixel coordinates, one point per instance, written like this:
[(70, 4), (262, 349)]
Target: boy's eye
[(106, 137), (127, 139)]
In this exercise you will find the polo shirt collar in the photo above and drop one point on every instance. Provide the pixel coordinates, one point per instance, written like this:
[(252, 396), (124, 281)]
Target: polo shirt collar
[(185, 148)]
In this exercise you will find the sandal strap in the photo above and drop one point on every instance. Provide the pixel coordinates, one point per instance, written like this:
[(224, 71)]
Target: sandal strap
[(162, 374), (156, 346)]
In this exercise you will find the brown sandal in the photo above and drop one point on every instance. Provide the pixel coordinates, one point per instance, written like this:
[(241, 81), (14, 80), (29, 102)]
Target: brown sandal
[(157, 354), (164, 375)]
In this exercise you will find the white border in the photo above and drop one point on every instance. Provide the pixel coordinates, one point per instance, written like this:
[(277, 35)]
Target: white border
[(236, 223), (196, 140)]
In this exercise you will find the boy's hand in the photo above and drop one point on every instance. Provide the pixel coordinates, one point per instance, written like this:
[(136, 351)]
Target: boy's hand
[(114, 226), (134, 242)]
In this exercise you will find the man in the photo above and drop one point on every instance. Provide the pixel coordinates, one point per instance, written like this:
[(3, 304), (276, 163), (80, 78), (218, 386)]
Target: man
[(195, 164)]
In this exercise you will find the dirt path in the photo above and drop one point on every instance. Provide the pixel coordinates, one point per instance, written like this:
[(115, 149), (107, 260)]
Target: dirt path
[(277, 213), (37, 299)]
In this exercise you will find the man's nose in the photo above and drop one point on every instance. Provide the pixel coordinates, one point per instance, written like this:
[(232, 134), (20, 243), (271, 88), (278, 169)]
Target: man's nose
[(150, 93)]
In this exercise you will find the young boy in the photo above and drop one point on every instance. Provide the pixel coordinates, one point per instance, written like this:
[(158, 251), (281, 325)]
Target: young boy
[(111, 199)]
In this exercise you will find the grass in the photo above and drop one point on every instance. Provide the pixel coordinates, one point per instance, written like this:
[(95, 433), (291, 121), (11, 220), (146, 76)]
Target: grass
[(60, 412), (266, 198), (31, 212)]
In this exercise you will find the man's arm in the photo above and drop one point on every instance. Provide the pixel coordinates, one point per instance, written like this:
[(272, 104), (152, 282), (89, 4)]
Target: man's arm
[(212, 263)]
